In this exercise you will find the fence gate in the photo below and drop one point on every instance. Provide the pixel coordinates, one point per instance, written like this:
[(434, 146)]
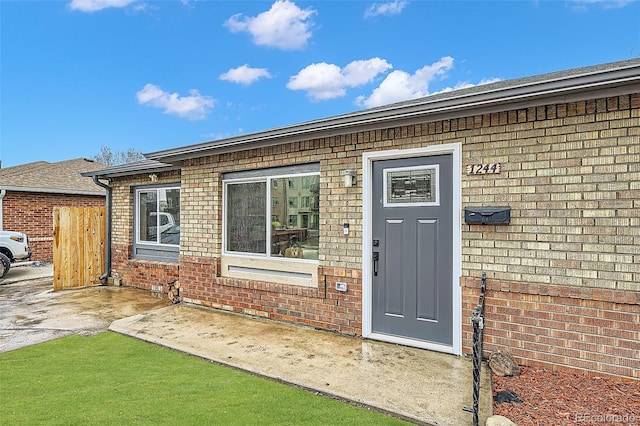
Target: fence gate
[(78, 246)]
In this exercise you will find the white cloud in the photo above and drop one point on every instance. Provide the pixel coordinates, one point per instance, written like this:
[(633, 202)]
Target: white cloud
[(386, 9), (324, 81), (192, 107), (96, 5), (400, 86), (284, 26), (583, 5), (245, 74), (466, 84)]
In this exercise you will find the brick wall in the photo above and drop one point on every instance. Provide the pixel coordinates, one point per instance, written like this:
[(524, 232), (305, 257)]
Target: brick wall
[(201, 284), (564, 273), (32, 214), (586, 330), (149, 275)]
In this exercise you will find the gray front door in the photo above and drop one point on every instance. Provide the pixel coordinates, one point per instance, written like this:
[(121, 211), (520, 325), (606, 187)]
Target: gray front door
[(412, 248)]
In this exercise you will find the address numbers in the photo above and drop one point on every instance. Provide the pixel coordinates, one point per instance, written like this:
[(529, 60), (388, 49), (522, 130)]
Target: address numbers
[(483, 169)]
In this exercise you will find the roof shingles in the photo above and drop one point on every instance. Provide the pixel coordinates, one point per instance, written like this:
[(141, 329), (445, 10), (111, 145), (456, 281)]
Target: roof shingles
[(61, 177)]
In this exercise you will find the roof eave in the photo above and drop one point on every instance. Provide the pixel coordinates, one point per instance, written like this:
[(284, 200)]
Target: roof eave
[(53, 190), (129, 170)]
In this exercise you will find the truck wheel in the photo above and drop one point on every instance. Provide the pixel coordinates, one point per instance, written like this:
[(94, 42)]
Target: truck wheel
[(5, 264)]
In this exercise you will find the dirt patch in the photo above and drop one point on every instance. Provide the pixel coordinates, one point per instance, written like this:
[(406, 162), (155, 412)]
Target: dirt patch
[(566, 399), (31, 312)]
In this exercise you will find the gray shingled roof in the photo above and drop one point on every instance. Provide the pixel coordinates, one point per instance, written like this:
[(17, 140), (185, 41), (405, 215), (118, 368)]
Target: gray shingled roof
[(60, 178)]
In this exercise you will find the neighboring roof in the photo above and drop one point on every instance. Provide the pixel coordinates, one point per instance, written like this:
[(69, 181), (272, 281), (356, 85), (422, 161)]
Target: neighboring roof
[(59, 178), (565, 86), (145, 166)]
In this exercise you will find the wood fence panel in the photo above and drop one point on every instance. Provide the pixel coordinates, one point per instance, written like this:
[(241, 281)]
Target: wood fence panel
[(78, 246)]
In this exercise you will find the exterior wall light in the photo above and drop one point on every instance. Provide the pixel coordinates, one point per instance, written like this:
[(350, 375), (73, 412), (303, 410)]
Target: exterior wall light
[(153, 177), (349, 178)]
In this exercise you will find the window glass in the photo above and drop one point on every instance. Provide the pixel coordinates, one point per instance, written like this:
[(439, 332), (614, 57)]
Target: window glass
[(293, 214), (159, 216), (147, 218), (411, 186), (246, 217)]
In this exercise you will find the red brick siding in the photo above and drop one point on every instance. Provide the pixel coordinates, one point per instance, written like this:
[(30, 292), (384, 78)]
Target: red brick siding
[(322, 306), (32, 213), (146, 274), (585, 330)]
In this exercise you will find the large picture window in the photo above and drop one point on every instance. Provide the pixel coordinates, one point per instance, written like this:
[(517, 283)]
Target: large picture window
[(273, 216), (158, 216)]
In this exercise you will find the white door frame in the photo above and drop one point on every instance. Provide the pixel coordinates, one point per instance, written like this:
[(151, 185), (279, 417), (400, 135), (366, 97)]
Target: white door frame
[(367, 253)]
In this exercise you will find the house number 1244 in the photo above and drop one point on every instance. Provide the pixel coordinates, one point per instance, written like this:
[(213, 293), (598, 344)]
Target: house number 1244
[(483, 169)]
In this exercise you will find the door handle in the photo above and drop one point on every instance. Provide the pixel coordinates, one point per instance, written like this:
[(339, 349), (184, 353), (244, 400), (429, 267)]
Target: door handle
[(376, 257)]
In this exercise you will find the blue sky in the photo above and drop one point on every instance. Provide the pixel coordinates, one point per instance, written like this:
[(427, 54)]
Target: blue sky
[(152, 75)]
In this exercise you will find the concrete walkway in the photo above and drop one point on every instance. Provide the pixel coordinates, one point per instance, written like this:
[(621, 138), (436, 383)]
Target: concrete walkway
[(420, 386)]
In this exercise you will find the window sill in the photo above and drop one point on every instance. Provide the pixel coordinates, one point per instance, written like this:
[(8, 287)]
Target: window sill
[(304, 274)]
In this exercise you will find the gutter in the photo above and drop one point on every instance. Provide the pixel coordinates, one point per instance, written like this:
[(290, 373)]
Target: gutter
[(52, 190), (107, 255)]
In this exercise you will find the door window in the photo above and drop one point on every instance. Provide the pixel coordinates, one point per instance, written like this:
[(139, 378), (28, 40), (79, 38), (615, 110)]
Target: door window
[(411, 186)]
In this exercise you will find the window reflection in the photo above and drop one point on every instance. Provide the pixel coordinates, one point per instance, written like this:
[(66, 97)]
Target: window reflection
[(159, 216), (295, 218), (293, 212)]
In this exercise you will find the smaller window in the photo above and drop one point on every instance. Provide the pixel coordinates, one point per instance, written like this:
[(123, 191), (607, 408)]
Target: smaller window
[(157, 223), (411, 186), (158, 216)]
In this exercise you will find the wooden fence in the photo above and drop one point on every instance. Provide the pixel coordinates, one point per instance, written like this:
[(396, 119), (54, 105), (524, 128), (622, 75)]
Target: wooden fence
[(78, 246)]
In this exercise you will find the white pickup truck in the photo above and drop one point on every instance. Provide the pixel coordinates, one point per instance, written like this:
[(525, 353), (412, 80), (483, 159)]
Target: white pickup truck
[(14, 247)]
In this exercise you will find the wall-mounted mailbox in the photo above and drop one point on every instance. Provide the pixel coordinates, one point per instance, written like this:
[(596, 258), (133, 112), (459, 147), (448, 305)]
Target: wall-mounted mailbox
[(487, 215)]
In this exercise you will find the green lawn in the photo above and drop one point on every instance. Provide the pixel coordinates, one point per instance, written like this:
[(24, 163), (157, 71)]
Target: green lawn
[(114, 379)]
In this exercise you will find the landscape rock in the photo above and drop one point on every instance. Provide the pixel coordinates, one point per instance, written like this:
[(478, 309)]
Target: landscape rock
[(506, 396), (499, 421), (503, 364)]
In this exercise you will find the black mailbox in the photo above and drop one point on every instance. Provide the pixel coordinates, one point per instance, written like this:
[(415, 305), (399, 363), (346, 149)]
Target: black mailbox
[(487, 215)]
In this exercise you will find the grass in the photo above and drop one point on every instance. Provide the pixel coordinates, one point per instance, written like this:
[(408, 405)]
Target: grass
[(113, 379)]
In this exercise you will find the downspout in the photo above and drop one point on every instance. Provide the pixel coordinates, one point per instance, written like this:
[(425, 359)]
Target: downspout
[(107, 255), (2, 194)]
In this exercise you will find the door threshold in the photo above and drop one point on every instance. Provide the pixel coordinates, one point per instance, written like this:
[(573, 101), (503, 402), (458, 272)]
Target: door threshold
[(422, 344)]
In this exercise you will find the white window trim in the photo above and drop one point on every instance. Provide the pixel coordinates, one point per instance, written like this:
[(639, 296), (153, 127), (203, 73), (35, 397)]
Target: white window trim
[(267, 180), (264, 267), (136, 221)]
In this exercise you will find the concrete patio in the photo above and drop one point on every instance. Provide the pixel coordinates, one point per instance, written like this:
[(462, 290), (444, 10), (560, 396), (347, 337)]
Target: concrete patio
[(420, 386)]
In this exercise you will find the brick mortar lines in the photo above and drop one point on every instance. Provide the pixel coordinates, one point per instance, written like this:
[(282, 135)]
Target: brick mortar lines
[(627, 297)]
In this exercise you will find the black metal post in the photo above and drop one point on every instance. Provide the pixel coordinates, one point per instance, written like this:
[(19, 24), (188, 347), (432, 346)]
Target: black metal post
[(477, 321)]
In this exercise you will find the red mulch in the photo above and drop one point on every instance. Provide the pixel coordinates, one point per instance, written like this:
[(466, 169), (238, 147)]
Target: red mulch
[(567, 399)]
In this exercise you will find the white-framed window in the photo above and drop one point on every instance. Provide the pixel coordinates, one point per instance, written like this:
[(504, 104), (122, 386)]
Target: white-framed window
[(278, 228), (157, 222)]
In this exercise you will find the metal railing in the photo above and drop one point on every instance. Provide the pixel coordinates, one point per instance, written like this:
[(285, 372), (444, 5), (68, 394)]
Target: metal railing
[(477, 321)]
